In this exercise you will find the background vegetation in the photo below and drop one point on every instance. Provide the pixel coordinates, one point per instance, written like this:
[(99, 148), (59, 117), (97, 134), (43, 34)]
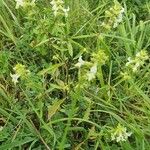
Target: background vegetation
[(59, 101)]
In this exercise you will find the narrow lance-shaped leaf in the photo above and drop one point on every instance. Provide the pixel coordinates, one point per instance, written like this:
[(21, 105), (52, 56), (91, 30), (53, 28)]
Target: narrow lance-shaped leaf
[(54, 108)]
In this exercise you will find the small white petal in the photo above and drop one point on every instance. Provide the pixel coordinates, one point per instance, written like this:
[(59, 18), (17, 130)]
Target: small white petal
[(94, 69), (136, 66), (115, 25), (129, 59), (90, 76), (119, 18), (53, 2), (112, 137), (1, 128), (66, 11), (80, 63), (128, 134), (92, 73), (19, 3), (15, 78), (121, 134)]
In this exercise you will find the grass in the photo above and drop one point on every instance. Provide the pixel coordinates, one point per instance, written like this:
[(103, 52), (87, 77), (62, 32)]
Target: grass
[(80, 81)]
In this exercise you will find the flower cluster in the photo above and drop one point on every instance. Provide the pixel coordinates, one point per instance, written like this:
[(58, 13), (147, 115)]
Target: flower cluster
[(113, 16), (119, 18), (98, 59), (80, 63), (125, 75), (20, 3), (15, 78), (58, 8), (138, 61), (20, 71), (23, 3), (120, 134), (92, 73)]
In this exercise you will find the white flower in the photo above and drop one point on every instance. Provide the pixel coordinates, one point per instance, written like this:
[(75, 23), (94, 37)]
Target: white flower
[(1, 128), (28, 72), (66, 11), (58, 8), (22, 3), (90, 76), (122, 10), (19, 3), (115, 24), (135, 67), (55, 7), (129, 61), (53, 2), (92, 73), (15, 78), (80, 63), (32, 3), (120, 134), (119, 18), (138, 61), (142, 55), (94, 69)]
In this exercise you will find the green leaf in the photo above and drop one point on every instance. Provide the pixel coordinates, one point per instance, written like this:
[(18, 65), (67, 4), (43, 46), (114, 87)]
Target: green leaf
[(42, 42), (70, 49), (50, 70), (11, 145), (54, 108)]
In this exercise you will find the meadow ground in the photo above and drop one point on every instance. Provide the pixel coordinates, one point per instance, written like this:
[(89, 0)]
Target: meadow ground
[(74, 75)]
